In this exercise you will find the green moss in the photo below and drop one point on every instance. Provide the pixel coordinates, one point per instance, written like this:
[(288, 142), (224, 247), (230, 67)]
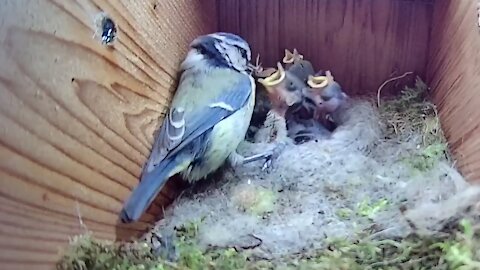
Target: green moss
[(344, 213), (86, 252), (410, 114), (459, 249), (253, 199), (426, 158), (265, 203), (368, 209)]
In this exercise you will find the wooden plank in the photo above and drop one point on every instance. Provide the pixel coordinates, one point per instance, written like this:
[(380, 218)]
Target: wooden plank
[(454, 76), (77, 118), (363, 42)]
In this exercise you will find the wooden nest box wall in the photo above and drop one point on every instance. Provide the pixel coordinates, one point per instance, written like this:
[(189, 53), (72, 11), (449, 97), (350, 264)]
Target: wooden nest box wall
[(77, 117)]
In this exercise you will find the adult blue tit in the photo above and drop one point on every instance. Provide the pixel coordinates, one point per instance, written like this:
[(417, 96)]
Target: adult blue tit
[(297, 65), (208, 118)]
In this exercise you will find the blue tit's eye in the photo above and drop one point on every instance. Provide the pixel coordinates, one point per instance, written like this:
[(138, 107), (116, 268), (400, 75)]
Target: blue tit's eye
[(243, 52)]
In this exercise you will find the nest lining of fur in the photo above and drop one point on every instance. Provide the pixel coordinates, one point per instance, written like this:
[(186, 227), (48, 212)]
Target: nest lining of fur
[(380, 193)]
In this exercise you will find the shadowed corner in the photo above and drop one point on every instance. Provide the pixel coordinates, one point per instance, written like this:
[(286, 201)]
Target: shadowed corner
[(155, 212)]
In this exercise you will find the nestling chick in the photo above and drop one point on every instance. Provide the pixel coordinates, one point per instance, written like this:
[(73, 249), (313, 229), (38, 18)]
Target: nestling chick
[(284, 90), (208, 118), (326, 94), (296, 65), (290, 58)]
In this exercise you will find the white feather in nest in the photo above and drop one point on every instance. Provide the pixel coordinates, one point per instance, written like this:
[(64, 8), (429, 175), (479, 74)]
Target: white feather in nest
[(318, 190)]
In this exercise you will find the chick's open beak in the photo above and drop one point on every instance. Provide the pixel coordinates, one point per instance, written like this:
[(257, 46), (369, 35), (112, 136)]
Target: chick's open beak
[(317, 82), (274, 79)]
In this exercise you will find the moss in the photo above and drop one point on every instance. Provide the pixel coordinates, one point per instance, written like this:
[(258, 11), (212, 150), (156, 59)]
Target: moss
[(86, 252), (253, 199), (458, 249), (344, 213), (265, 204), (369, 209), (410, 114), (427, 157)]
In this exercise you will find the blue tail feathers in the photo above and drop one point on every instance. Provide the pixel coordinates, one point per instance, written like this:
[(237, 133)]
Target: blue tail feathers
[(142, 196)]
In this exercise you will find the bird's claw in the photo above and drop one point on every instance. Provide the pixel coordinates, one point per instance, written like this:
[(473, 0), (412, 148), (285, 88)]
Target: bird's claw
[(267, 165), (272, 157)]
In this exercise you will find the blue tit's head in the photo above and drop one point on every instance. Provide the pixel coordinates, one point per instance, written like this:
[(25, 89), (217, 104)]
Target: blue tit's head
[(219, 50)]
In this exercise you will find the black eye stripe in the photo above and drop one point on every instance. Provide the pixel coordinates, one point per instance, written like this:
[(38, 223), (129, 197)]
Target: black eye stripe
[(242, 51)]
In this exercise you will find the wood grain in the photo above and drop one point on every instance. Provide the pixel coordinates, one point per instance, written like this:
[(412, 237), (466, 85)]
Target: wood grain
[(454, 77), (77, 118), (363, 42)]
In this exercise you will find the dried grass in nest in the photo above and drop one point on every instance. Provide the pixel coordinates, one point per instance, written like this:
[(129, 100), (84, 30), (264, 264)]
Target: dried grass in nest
[(410, 113)]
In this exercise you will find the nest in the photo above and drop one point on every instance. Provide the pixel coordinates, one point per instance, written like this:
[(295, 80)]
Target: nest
[(381, 192)]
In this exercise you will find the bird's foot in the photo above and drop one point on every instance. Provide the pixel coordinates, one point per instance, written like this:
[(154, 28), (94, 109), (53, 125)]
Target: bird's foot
[(269, 156), (254, 158), (236, 159), (272, 156)]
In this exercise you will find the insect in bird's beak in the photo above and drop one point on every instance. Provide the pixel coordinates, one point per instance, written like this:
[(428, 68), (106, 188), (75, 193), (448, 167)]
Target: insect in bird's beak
[(251, 67), (258, 70)]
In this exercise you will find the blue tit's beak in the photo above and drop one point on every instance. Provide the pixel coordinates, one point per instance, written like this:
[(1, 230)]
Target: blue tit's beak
[(200, 40)]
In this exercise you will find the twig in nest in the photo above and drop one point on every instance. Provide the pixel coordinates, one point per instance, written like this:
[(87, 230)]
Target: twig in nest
[(257, 244), (379, 91)]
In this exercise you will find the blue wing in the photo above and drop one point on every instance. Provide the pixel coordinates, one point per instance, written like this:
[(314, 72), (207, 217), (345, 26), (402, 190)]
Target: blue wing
[(204, 100), (199, 104), (225, 105)]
